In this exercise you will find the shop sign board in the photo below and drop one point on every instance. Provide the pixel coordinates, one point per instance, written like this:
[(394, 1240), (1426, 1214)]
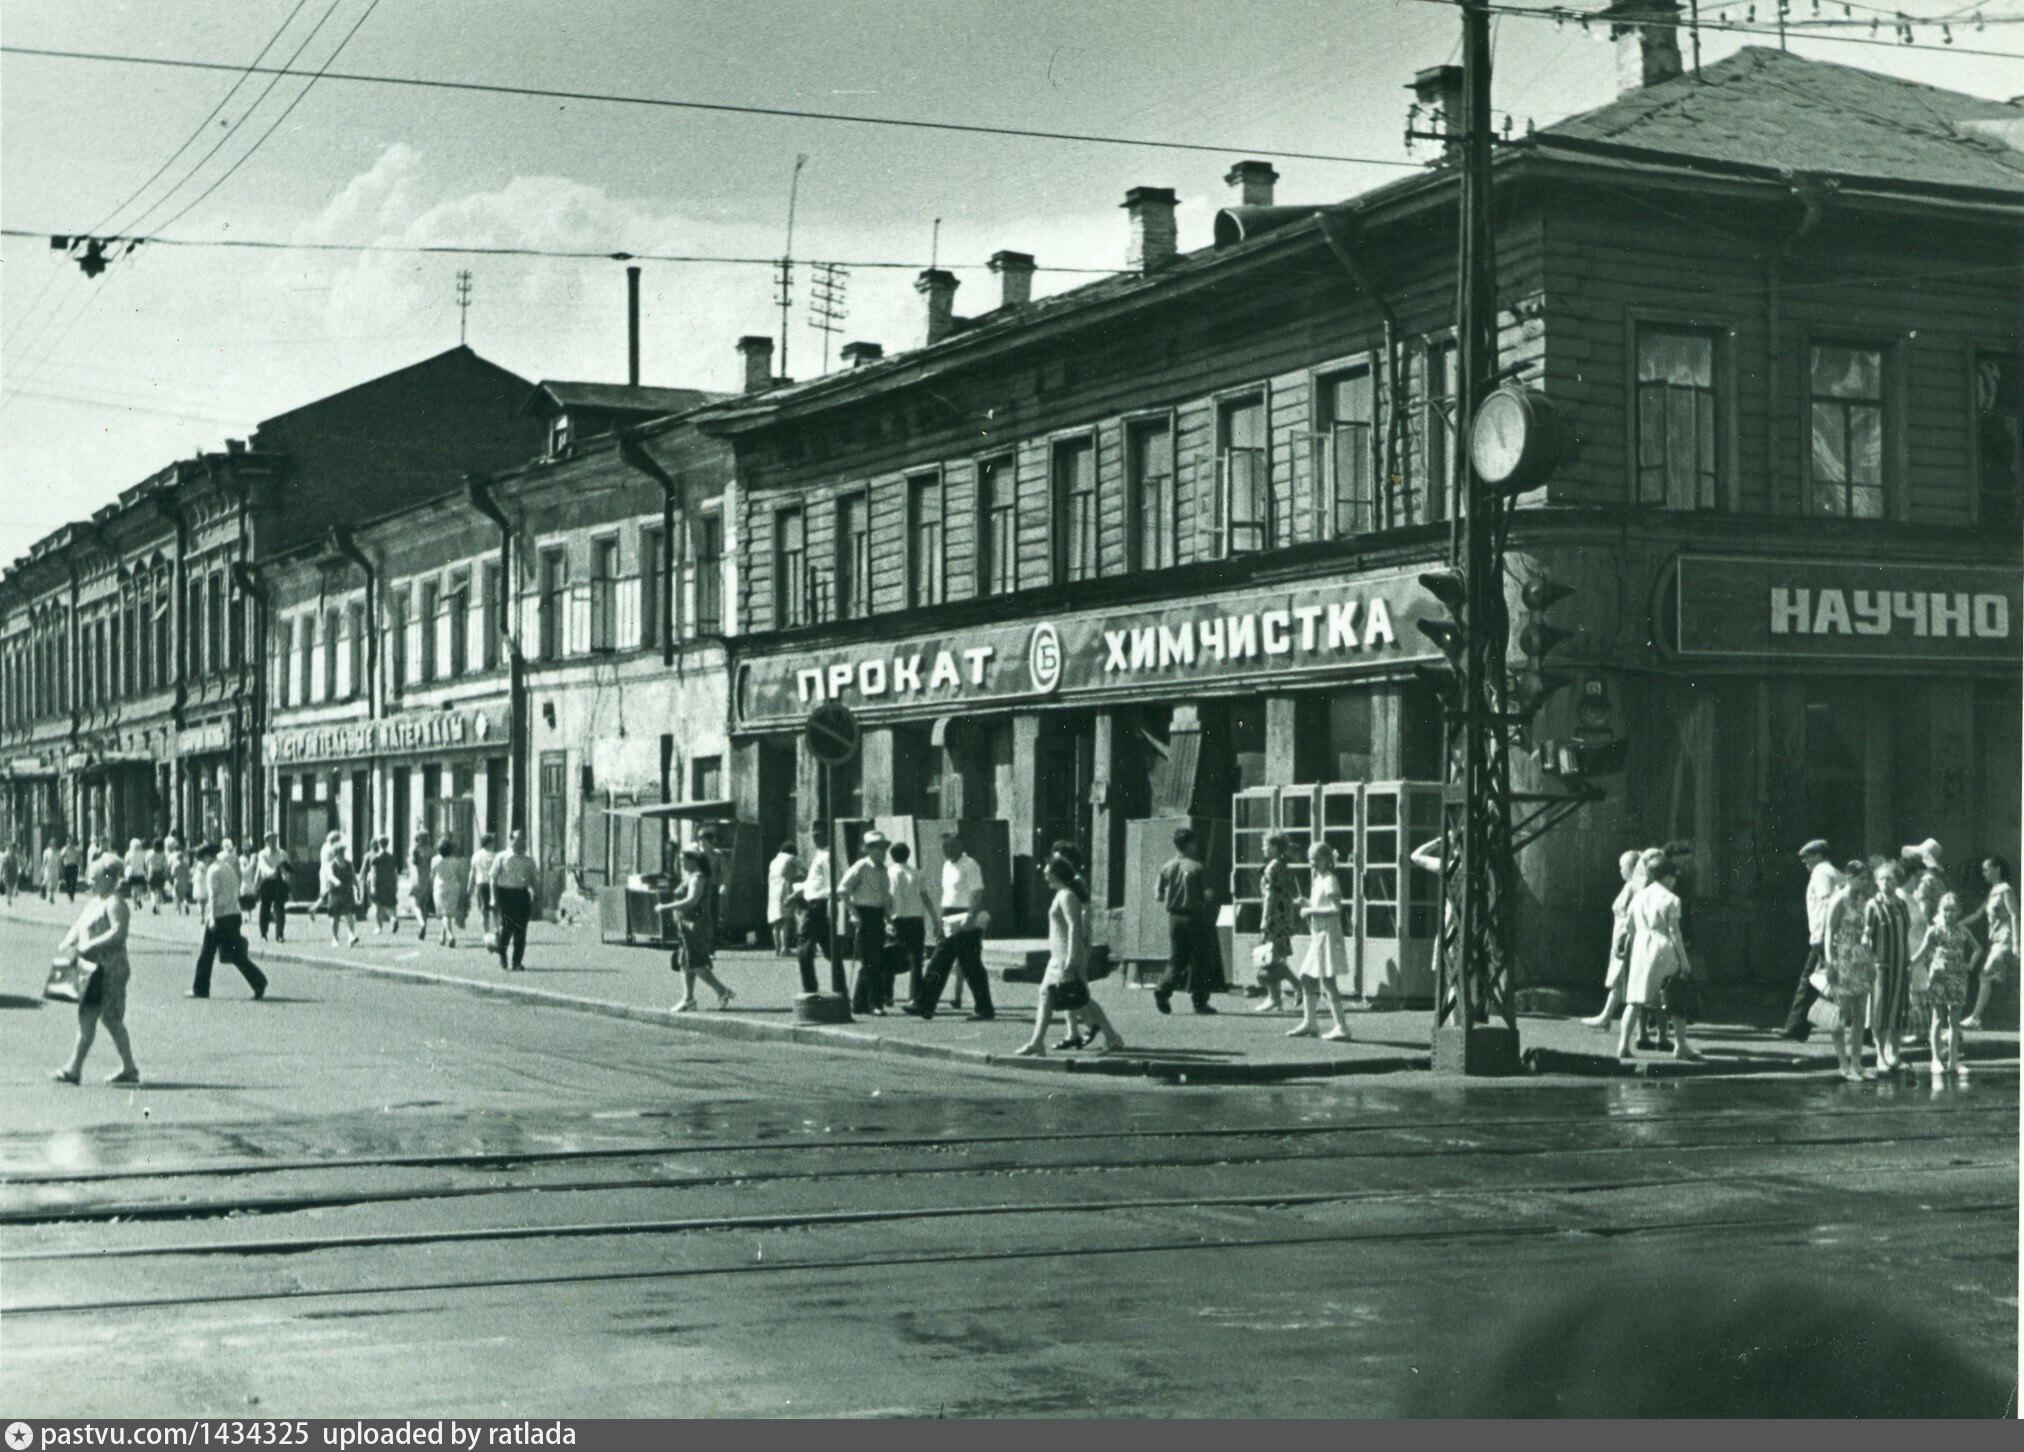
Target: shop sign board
[(1267, 634), (195, 739), (31, 766), (422, 731), (1839, 609)]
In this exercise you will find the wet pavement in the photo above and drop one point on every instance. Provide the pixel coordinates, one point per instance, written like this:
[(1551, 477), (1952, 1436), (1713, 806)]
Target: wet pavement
[(374, 1196)]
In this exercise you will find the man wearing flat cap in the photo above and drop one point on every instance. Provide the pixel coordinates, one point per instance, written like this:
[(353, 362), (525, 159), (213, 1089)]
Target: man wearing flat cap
[(1822, 882), (866, 890)]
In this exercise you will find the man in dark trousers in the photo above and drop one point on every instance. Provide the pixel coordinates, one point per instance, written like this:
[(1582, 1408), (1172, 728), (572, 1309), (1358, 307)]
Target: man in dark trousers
[(963, 924), (867, 891), (224, 922), (811, 899), (1193, 958), (514, 876)]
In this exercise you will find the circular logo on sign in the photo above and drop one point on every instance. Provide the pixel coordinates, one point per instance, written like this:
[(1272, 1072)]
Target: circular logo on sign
[(1043, 658)]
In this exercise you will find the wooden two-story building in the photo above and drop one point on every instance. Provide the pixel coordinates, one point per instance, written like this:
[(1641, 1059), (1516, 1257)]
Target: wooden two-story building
[(1145, 551)]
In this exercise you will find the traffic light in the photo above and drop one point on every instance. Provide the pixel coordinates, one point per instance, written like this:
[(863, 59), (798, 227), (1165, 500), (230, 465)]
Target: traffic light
[(1534, 684), (1448, 636)]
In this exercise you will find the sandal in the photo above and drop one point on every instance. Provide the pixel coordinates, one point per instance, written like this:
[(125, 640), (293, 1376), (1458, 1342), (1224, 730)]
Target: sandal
[(63, 1076), (124, 1076)]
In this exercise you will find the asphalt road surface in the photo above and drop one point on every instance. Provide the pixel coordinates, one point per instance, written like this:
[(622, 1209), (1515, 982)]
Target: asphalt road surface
[(362, 1197)]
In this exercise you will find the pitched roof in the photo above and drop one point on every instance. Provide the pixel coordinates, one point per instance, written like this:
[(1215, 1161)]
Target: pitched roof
[(1764, 108), (616, 398)]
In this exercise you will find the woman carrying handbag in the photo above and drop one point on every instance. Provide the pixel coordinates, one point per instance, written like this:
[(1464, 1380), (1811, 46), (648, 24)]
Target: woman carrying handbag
[(99, 939)]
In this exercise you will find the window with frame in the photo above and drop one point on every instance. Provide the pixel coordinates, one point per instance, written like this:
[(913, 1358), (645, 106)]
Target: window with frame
[(1345, 448), (457, 604), (1072, 469), (235, 622), (1999, 442), (1846, 417), (431, 612), (355, 643), (193, 629), (1427, 452), (790, 568), (330, 653), (144, 635), (604, 593), (997, 527), (397, 639), (214, 625), (162, 624), (1150, 494), (853, 557), (706, 779), (491, 601), (1243, 476), (305, 642), (552, 583), (1678, 443), (926, 578), (652, 542), (706, 564), (284, 651)]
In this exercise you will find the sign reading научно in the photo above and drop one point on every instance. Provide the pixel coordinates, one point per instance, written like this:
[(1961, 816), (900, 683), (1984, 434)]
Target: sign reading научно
[(1256, 633), (1837, 609)]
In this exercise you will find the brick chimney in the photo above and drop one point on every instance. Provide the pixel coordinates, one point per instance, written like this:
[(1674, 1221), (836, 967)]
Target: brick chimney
[(856, 355), (1438, 89), (939, 288), (1251, 181), (1647, 42), (758, 355), (1015, 278), (1153, 243)]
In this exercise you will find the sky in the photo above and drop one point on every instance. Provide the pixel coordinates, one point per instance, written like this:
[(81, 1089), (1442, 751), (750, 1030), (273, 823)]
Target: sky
[(173, 350)]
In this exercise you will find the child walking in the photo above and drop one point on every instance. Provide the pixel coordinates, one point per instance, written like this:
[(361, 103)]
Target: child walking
[(1949, 955)]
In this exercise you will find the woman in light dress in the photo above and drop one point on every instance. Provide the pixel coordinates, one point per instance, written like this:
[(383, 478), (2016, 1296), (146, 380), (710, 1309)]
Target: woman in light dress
[(2000, 913), (99, 938), (449, 875), (1657, 953), (1327, 950), (1850, 967), (782, 873), (1065, 985), (1630, 867)]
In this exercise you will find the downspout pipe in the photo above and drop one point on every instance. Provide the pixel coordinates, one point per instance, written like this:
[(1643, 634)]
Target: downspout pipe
[(343, 543), (1811, 193), (252, 584), (1339, 233), (479, 489), (634, 452)]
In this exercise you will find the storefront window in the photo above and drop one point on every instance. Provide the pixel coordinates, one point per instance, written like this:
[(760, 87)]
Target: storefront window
[(926, 580), (1243, 477), (997, 528), (1676, 435), (1074, 495), (1149, 459), (1344, 458), (1999, 442), (790, 569), (1846, 386)]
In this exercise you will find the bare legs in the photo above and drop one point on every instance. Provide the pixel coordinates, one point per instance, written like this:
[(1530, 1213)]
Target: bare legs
[(1848, 1037), (87, 1031), (1609, 1006), (1274, 980), (1311, 991), (1043, 1016)]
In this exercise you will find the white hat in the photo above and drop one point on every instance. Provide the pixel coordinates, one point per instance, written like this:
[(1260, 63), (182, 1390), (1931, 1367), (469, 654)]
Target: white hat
[(1927, 852)]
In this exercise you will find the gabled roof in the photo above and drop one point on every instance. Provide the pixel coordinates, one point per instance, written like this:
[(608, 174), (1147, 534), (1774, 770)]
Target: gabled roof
[(1771, 109), (460, 359), (552, 397)]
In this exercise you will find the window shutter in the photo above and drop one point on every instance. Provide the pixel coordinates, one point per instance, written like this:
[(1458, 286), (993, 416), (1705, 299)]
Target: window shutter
[(1212, 513), (474, 628), (441, 626), (344, 682), (413, 673), (292, 666), (628, 612), (576, 620), (530, 622)]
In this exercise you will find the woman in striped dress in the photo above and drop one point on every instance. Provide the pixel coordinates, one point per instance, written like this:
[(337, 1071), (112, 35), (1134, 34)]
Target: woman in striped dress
[(1886, 930)]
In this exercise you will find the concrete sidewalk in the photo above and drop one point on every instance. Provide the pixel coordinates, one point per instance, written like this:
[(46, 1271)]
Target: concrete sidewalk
[(567, 967)]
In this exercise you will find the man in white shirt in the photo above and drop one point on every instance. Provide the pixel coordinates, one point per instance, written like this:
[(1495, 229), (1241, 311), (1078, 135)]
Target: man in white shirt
[(1822, 882), (963, 924), (224, 921), (514, 876), (811, 897), (271, 887), (481, 879), (868, 892), (916, 914)]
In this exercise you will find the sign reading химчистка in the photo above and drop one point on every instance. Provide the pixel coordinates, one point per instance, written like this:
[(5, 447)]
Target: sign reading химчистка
[(1835, 609), (1256, 633)]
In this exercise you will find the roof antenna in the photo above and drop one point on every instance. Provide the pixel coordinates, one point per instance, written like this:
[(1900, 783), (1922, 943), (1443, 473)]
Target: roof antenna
[(784, 269), (463, 303), (1694, 30), (935, 247)]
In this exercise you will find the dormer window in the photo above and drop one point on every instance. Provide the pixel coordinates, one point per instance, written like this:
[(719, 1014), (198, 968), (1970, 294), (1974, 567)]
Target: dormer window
[(558, 436)]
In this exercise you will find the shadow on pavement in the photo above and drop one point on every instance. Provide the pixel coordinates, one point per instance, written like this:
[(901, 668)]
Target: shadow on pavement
[(16, 1000)]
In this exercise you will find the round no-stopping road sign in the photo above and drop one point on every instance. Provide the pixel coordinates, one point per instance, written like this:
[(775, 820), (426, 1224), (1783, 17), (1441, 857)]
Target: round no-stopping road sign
[(832, 733)]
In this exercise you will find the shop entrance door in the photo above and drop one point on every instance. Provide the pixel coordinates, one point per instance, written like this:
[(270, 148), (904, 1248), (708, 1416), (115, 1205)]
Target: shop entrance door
[(554, 824), (1063, 774)]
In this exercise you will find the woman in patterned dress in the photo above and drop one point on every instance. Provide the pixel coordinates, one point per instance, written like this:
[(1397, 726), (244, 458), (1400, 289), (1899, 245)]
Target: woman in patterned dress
[(1950, 954), (1278, 922), (1327, 949), (1886, 932), (1850, 968)]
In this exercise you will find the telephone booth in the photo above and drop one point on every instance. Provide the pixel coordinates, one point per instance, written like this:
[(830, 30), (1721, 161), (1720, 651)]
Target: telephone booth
[(1392, 908)]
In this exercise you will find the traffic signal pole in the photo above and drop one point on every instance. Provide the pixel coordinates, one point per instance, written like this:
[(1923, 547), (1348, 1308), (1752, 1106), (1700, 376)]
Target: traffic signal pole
[(1475, 1023)]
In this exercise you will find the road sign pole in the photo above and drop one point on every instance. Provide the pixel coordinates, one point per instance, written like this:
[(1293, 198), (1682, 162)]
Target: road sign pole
[(835, 867)]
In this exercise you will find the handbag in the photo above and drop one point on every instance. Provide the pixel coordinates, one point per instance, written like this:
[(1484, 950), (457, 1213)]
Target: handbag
[(1680, 995), (1070, 993), (69, 979), (1264, 955)]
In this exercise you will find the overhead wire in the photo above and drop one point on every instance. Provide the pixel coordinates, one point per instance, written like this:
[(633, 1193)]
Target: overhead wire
[(728, 108), (1671, 20)]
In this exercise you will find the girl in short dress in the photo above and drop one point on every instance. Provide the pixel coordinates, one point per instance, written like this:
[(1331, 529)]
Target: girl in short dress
[(1327, 949), (1065, 985), (695, 925), (1949, 955), (1278, 921), (1850, 967)]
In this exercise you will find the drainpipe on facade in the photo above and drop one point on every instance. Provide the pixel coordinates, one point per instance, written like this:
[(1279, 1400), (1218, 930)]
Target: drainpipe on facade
[(172, 510), (480, 490), (341, 542), (635, 454), (1338, 234), (247, 577), (72, 809)]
